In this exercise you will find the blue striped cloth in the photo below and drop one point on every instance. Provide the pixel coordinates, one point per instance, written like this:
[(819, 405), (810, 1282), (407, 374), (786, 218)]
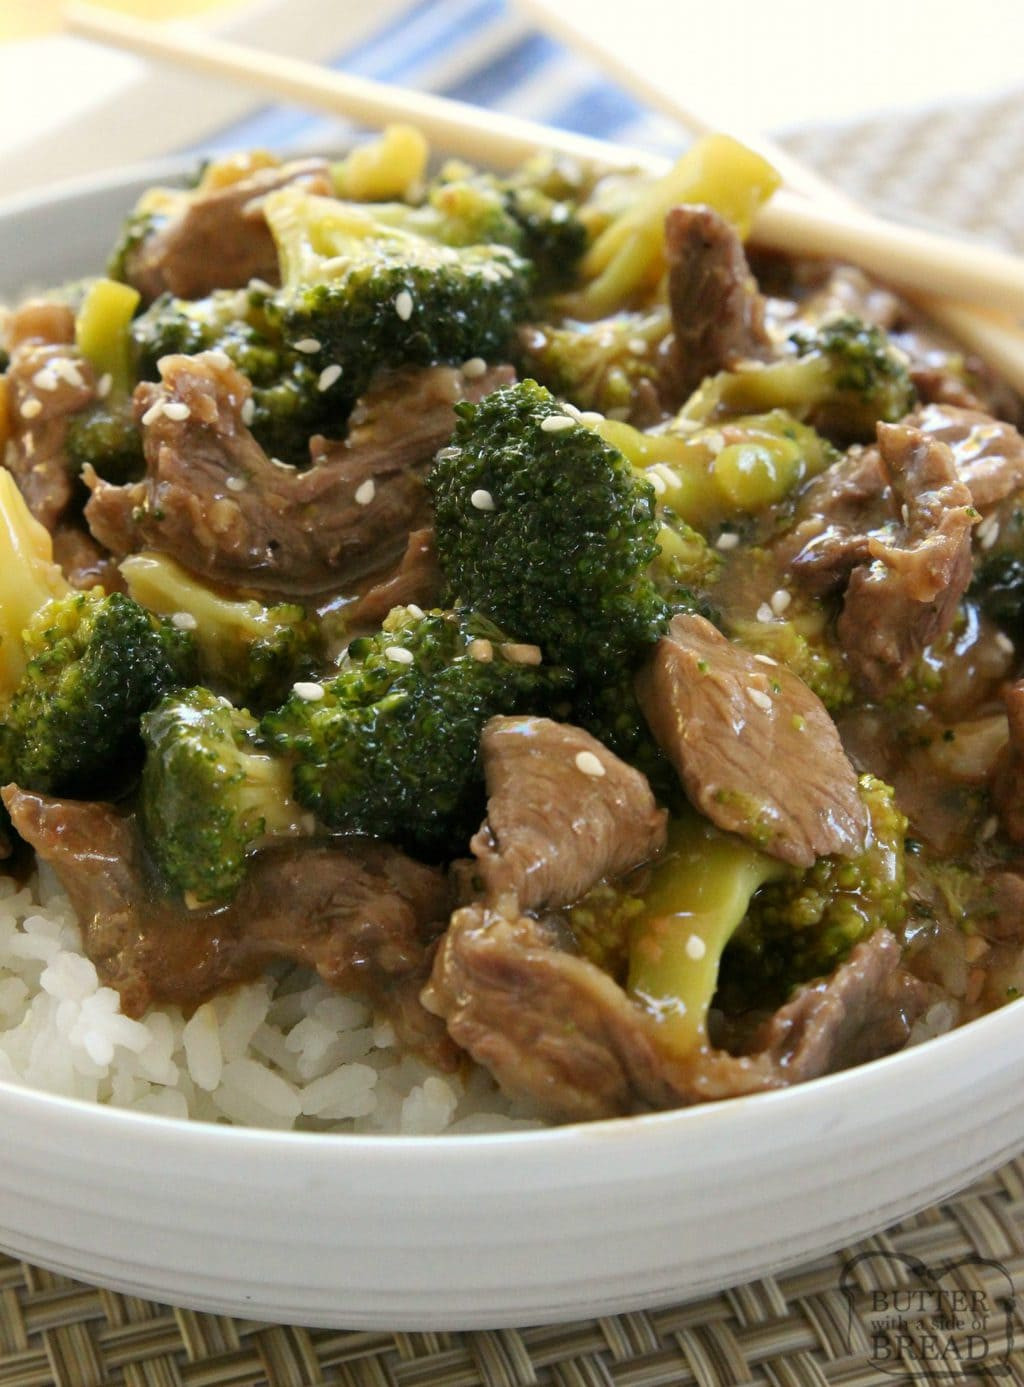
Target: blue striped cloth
[(478, 51)]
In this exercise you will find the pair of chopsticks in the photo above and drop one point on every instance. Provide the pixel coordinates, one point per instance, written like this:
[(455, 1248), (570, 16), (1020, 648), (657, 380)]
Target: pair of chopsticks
[(981, 286)]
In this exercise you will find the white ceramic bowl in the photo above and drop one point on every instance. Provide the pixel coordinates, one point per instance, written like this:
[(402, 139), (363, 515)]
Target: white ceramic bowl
[(481, 1231)]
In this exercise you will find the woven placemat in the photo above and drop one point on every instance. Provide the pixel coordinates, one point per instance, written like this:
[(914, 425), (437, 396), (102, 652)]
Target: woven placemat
[(935, 1299), (939, 1290)]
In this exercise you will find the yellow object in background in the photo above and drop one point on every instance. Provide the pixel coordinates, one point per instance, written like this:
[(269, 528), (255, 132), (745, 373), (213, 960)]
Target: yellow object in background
[(22, 19)]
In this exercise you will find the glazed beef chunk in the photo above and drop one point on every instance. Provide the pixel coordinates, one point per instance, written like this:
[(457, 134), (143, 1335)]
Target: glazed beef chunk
[(562, 812), (988, 454), (755, 749), (360, 912), (47, 382), (717, 311), (218, 238), (907, 595), (558, 1031), (214, 501)]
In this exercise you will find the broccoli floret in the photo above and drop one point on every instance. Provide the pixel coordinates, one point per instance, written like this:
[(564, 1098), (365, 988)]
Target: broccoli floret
[(249, 651), (105, 437), (841, 377), (372, 294), (211, 793), (610, 366), (95, 663), (137, 227), (547, 528), (625, 262), (392, 746), (803, 925), (999, 584)]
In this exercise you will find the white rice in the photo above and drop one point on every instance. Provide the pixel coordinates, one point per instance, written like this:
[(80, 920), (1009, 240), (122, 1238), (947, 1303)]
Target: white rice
[(285, 1052)]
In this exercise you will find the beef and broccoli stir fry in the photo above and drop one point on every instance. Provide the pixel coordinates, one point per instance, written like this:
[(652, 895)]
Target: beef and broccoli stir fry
[(594, 642)]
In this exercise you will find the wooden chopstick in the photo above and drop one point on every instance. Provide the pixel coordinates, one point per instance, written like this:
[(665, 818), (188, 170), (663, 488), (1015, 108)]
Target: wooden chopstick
[(996, 337), (911, 259)]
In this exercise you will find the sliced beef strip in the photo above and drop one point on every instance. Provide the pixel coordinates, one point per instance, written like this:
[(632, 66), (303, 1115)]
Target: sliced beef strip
[(562, 812), (47, 382), (557, 1031), (218, 238), (907, 596), (835, 516), (417, 579), (717, 311), (360, 912), (214, 501), (1008, 787), (865, 1009), (755, 749), (988, 453), (1006, 925), (83, 562)]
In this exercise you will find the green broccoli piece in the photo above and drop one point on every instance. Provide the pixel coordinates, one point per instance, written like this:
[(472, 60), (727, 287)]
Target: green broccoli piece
[(104, 436), (372, 294), (77, 669), (547, 528), (611, 366), (95, 663), (211, 793), (804, 924), (391, 748), (998, 583), (249, 651), (136, 228), (841, 377)]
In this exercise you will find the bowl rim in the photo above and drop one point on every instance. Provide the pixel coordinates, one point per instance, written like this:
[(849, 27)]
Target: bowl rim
[(972, 1040)]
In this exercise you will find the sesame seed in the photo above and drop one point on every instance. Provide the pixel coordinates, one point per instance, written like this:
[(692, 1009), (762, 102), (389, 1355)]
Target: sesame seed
[(68, 371), (765, 613), (103, 385), (31, 407), (480, 650), (248, 411), (399, 655), (780, 601), (308, 345), (219, 358), (365, 492), (446, 453), (695, 947), (474, 368), (555, 423), (45, 379), (765, 660), (760, 700), (403, 305), (184, 621), (309, 693), (482, 500), (988, 532), (573, 412), (519, 653), (714, 440), (989, 829), (414, 610), (1004, 643), (329, 376), (235, 483), (285, 466), (728, 539), (591, 416), (176, 410), (905, 513), (589, 764), (637, 346), (153, 413)]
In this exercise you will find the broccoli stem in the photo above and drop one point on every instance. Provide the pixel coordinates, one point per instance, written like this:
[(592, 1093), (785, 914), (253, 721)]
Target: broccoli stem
[(30, 578), (697, 899), (102, 332)]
